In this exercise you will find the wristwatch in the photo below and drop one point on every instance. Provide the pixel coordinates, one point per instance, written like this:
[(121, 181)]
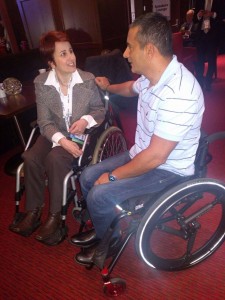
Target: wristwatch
[(112, 177)]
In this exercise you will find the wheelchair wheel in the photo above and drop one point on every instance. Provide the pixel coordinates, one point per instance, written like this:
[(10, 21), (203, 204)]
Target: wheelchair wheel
[(184, 226), (114, 287), (110, 142)]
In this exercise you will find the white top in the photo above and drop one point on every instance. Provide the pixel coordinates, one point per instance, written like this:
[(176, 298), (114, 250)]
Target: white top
[(67, 102), (172, 109)]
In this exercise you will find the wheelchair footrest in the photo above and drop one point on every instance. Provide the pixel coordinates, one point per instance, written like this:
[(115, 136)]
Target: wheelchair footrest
[(105, 250)]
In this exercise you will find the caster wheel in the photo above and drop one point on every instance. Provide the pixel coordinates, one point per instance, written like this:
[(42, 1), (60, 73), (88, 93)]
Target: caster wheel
[(114, 287)]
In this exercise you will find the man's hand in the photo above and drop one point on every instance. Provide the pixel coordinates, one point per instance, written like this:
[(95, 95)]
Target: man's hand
[(78, 127), (71, 147), (104, 178), (201, 13), (102, 82), (208, 14)]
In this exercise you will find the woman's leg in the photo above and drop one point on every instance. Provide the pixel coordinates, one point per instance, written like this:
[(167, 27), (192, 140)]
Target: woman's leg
[(34, 176), (58, 163), (34, 172)]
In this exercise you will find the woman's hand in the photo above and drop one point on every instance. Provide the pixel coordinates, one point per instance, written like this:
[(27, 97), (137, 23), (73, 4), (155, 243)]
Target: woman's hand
[(78, 127), (71, 147), (102, 82)]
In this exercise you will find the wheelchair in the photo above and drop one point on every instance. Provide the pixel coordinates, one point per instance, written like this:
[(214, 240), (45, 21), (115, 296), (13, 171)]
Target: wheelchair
[(99, 143), (171, 227)]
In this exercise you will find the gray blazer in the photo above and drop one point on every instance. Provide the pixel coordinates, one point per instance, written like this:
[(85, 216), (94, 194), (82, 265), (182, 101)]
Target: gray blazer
[(86, 101)]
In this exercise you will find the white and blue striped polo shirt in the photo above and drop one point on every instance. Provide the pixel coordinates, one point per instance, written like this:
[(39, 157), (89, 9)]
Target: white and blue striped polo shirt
[(173, 110)]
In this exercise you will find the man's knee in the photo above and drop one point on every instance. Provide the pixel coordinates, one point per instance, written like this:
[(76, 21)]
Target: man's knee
[(87, 178), (95, 199)]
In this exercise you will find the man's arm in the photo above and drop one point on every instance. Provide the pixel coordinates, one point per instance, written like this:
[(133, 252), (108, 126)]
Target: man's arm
[(124, 89), (147, 160)]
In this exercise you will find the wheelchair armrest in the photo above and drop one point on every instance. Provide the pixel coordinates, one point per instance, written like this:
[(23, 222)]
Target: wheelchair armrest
[(34, 124), (95, 129), (216, 136), (92, 129)]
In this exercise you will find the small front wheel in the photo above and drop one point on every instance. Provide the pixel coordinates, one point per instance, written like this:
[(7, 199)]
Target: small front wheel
[(114, 287)]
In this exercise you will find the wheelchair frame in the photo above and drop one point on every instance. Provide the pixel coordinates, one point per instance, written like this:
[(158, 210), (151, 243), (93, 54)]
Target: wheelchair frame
[(157, 212), (110, 142)]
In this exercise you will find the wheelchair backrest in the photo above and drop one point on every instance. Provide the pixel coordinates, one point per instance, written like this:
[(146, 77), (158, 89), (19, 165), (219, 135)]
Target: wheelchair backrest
[(203, 157)]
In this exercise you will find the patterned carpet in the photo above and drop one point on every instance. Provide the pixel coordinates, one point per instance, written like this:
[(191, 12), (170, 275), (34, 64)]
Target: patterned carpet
[(32, 271)]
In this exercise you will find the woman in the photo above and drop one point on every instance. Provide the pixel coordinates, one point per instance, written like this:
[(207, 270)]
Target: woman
[(68, 102)]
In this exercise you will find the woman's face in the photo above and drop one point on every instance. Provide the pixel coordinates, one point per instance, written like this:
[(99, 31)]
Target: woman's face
[(64, 58)]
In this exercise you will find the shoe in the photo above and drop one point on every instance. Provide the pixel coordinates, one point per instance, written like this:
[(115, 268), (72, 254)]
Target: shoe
[(87, 255), (49, 227), (84, 239), (28, 224)]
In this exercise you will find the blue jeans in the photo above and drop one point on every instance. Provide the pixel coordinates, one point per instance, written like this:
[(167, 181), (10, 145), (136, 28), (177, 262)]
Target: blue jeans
[(102, 199)]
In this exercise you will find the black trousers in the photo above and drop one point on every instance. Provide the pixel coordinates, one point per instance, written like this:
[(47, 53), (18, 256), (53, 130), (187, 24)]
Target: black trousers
[(40, 161), (207, 44)]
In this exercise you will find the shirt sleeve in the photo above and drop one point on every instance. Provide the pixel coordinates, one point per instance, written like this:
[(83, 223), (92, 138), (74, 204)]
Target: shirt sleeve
[(56, 137), (91, 121)]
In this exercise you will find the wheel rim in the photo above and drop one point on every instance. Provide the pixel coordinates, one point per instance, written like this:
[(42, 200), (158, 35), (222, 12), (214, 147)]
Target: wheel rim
[(114, 144), (180, 235), (110, 143)]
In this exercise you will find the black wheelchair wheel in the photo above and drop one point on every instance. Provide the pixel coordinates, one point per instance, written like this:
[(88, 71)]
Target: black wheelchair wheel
[(184, 226), (111, 142)]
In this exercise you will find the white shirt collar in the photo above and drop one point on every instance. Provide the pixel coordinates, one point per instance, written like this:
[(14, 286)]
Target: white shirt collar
[(51, 80), (167, 72)]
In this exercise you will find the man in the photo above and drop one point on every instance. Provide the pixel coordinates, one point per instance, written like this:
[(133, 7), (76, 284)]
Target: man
[(169, 116), (188, 29), (208, 17)]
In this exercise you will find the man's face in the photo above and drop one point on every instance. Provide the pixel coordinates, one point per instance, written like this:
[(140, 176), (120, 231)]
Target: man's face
[(189, 17), (134, 53)]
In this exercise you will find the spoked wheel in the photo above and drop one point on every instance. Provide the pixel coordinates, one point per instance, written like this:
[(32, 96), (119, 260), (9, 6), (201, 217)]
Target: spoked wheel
[(111, 142), (114, 287), (184, 226)]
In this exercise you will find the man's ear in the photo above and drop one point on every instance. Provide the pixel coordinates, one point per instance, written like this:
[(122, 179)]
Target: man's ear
[(149, 48)]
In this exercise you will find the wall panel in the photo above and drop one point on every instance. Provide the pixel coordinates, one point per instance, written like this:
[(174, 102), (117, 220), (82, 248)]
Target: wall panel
[(81, 17), (37, 18)]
